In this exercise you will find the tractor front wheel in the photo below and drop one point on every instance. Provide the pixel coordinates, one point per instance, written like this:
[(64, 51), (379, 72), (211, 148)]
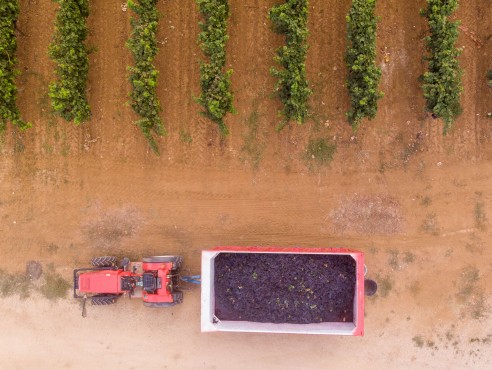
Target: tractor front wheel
[(104, 299), (177, 261), (104, 261)]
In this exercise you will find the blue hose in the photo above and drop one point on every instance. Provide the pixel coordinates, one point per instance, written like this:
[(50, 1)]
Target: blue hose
[(193, 279)]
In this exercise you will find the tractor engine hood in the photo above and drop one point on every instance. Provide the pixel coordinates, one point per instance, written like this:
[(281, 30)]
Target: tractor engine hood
[(106, 281)]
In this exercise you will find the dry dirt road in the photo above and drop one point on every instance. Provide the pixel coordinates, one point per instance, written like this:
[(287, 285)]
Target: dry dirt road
[(432, 309)]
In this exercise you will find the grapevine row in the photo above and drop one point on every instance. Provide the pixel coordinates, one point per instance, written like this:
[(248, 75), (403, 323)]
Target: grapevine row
[(215, 82), (363, 73), (68, 51), (143, 75), (441, 86), (9, 11), (290, 19), (442, 82)]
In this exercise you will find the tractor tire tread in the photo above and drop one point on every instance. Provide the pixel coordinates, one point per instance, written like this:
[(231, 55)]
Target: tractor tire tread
[(104, 261), (103, 300)]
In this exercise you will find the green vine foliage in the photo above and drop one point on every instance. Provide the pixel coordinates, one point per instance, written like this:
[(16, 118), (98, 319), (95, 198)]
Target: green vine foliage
[(143, 75), (442, 82), (68, 51), (363, 73), (215, 82), (9, 10), (290, 19)]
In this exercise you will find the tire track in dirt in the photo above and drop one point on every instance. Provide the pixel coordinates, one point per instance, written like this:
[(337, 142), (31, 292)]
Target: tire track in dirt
[(399, 48), (185, 111), (252, 49), (200, 144), (33, 39), (484, 92), (244, 46), (325, 60), (187, 79), (435, 136), (399, 42), (108, 88), (23, 149), (326, 75), (32, 57), (465, 135), (171, 45)]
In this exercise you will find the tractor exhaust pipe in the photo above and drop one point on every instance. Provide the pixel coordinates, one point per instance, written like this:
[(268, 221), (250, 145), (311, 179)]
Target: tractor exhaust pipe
[(84, 309)]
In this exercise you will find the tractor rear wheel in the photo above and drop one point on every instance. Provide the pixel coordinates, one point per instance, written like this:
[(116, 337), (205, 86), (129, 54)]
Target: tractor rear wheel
[(176, 260), (104, 299), (104, 261)]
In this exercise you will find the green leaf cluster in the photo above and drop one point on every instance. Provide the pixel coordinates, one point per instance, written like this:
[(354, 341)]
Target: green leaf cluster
[(9, 11), (442, 81), (143, 75), (68, 51), (215, 82), (290, 19), (363, 73)]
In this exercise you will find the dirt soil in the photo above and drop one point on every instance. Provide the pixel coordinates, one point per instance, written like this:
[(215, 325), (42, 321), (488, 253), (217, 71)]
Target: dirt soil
[(284, 288), (417, 203)]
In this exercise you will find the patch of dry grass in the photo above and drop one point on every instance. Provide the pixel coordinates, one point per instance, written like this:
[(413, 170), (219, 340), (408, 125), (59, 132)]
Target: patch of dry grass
[(368, 214), (55, 286)]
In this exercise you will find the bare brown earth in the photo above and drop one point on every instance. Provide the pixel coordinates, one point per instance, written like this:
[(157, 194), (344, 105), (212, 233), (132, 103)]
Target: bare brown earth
[(417, 203)]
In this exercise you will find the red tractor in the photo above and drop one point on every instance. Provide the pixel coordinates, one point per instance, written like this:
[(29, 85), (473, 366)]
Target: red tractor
[(155, 280)]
